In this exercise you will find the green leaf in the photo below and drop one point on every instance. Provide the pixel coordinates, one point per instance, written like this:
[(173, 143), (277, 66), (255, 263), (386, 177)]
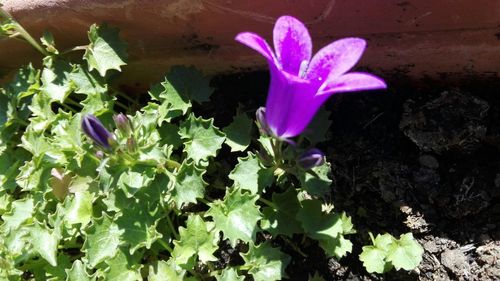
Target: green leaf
[(201, 138), (317, 183), (80, 210), (123, 267), (138, 223), (106, 50), (173, 104), (336, 247), (78, 272), (373, 259), (405, 253), (56, 82), (190, 83), (102, 240), (137, 177), (45, 243), (162, 271), (236, 216), (265, 262), (317, 224), (26, 82), (318, 129), (250, 175), (87, 82), (188, 184), (280, 219), (238, 133), (169, 135), (20, 212), (197, 239), (229, 274)]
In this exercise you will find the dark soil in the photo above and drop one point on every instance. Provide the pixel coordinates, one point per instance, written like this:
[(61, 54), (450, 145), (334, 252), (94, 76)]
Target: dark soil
[(421, 157)]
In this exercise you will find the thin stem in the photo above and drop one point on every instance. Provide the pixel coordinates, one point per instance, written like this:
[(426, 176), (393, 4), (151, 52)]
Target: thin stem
[(297, 249), (165, 245), (268, 203), (67, 107), (123, 106), (125, 96), (203, 200), (71, 101), (172, 228), (77, 48), (172, 164), (23, 32)]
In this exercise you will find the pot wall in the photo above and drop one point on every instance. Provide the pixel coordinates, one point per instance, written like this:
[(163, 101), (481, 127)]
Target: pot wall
[(416, 37)]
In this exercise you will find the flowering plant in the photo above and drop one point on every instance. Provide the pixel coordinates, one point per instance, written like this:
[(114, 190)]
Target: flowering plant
[(163, 194)]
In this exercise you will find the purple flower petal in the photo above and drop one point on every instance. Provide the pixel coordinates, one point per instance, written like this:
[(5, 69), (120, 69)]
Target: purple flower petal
[(335, 59), (257, 43), (287, 100), (352, 81), (292, 44)]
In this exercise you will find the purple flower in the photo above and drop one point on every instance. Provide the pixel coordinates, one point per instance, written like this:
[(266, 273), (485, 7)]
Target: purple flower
[(311, 158), (300, 85), (94, 129), (123, 123)]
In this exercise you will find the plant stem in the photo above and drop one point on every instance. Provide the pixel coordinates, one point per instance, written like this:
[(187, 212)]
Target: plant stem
[(297, 249), (123, 106), (23, 32), (172, 228), (77, 48), (268, 203), (165, 245)]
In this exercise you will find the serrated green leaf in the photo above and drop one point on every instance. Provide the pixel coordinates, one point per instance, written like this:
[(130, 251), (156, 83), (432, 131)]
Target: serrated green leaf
[(236, 216), (78, 272), (137, 177), (56, 82), (87, 82), (188, 184), (265, 262), (26, 82), (238, 133), (102, 240), (138, 223), (123, 267), (317, 183), (250, 175), (280, 219), (373, 259), (106, 50), (316, 277), (405, 253), (45, 243), (317, 224), (80, 210), (318, 129), (168, 270), (197, 239), (229, 274), (20, 212), (201, 138), (191, 83), (169, 135), (336, 247)]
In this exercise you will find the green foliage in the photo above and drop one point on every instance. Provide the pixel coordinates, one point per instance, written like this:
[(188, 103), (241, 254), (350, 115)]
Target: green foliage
[(388, 252), (236, 216), (250, 175), (265, 262), (238, 133), (201, 138), (106, 51)]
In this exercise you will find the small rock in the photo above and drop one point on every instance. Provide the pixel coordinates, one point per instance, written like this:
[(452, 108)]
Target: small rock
[(455, 261), (428, 161)]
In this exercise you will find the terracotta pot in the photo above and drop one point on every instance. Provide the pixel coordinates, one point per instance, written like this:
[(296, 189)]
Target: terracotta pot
[(417, 37)]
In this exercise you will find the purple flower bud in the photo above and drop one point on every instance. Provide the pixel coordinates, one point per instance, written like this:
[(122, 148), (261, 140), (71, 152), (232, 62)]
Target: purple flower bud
[(260, 115), (99, 154), (131, 145), (311, 158), (94, 129), (123, 123)]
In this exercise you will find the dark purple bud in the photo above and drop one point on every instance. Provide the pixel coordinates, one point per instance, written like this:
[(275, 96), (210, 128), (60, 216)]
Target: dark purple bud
[(94, 129), (123, 123), (260, 115), (311, 158)]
